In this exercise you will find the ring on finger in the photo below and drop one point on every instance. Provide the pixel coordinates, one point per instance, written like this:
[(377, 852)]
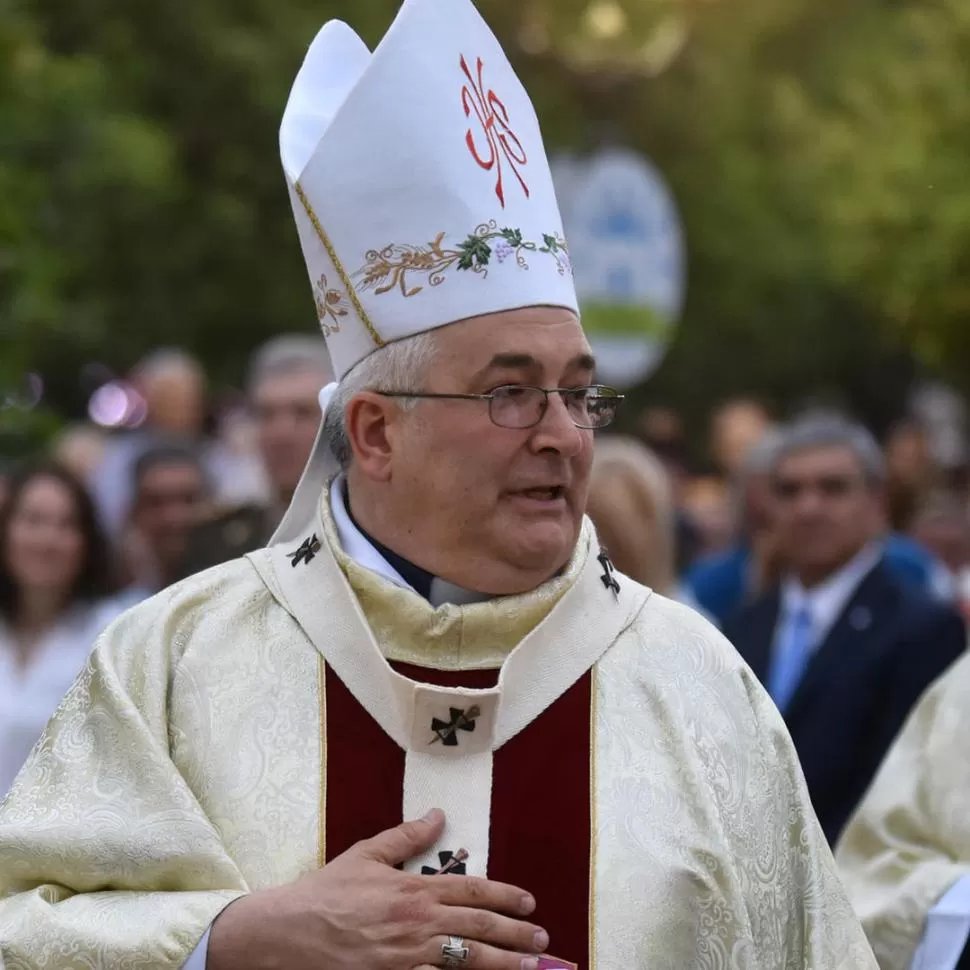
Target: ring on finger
[(454, 953)]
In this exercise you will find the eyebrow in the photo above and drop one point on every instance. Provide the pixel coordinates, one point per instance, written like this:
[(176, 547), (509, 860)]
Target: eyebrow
[(524, 361)]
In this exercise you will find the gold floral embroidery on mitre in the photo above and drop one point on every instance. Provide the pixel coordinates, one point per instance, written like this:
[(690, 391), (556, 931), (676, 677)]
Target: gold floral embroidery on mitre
[(331, 304), (396, 264)]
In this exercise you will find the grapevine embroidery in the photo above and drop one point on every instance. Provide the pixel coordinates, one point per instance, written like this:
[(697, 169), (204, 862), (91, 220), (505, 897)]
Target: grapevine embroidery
[(396, 265)]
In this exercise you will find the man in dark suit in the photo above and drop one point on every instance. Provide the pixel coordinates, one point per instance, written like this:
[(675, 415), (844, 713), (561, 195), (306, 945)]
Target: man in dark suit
[(843, 647)]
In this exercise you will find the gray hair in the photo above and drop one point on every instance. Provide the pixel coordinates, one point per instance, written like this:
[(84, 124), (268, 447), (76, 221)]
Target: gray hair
[(399, 366), (833, 431), (288, 354), (760, 460), (168, 360)]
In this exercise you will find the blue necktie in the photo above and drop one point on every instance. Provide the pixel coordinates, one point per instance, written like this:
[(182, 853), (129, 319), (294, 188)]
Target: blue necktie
[(790, 657)]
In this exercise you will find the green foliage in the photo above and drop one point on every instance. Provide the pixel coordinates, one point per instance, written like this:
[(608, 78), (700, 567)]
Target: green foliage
[(475, 251), (817, 150)]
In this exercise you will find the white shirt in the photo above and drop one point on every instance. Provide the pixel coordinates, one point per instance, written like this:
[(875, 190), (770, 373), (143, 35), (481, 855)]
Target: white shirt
[(826, 602), (28, 697)]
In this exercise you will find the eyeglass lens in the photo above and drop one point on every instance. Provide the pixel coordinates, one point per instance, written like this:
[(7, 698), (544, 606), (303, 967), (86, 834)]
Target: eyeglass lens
[(522, 407)]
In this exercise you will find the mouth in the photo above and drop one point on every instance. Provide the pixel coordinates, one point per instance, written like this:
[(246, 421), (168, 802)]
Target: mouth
[(542, 497)]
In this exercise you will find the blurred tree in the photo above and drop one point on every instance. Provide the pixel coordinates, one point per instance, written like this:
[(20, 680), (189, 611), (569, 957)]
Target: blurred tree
[(882, 148), (142, 203)]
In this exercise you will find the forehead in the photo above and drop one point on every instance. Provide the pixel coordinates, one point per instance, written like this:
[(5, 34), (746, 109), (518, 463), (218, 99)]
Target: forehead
[(46, 492), (552, 335), (821, 460), (167, 474)]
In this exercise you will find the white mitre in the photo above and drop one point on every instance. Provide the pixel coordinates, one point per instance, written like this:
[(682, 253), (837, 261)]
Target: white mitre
[(420, 188)]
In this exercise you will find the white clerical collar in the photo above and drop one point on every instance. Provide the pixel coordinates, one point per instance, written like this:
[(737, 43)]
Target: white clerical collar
[(826, 601), (355, 544), (359, 548)]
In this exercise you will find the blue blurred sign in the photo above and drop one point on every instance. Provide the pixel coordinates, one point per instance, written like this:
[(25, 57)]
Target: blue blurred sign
[(627, 251)]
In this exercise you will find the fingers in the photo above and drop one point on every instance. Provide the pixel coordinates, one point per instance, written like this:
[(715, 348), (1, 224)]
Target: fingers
[(496, 930), (404, 841), (481, 956), (479, 893)]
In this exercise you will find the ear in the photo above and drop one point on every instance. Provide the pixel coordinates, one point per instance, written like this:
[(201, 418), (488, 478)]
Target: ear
[(370, 420)]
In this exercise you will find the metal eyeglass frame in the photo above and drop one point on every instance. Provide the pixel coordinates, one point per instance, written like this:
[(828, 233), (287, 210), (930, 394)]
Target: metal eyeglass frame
[(600, 391)]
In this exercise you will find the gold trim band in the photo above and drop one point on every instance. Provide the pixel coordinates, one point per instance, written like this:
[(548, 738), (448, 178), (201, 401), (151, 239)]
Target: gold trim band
[(338, 266)]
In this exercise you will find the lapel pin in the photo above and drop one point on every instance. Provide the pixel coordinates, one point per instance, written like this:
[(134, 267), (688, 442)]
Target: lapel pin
[(306, 552), (860, 619)]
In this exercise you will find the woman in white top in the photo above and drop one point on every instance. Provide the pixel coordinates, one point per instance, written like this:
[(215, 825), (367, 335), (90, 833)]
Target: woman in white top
[(54, 574)]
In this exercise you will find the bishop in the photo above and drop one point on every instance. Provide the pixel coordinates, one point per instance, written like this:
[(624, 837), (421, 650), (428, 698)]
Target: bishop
[(429, 725)]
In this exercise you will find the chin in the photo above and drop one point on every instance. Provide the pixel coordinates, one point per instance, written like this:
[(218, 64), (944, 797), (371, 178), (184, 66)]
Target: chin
[(545, 546)]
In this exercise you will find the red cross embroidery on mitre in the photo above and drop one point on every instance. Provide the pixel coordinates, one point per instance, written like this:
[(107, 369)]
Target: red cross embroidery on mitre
[(493, 117)]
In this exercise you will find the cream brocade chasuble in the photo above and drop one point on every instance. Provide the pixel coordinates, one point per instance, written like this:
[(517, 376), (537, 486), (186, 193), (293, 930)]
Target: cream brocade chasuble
[(188, 766), (909, 841)]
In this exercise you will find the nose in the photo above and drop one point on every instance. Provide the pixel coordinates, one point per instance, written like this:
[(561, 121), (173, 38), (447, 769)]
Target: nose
[(809, 503), (557, 431)]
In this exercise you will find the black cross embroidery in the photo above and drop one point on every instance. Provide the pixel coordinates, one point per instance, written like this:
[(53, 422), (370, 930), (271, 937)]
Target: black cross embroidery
[(452, 864), (447, 731), (608, 578), (306, 552)]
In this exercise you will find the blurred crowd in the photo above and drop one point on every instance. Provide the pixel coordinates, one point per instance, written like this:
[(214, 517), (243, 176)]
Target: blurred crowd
[(838, 566)]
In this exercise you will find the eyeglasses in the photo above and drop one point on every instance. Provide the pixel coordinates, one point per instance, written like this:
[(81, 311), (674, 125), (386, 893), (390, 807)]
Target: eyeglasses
[(518, 406)]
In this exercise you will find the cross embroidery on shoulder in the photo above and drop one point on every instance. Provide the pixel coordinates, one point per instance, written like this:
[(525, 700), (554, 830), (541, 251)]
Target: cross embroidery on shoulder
[(608, 578), (451, 863), (306, 552), (447, 731)]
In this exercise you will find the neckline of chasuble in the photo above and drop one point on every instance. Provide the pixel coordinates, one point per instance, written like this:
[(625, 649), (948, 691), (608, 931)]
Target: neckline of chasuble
[(475, 636), (306, 577)]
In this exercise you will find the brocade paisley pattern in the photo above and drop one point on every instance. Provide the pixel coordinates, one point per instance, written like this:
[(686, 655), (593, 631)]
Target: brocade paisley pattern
[(909, 841), (183, 769)]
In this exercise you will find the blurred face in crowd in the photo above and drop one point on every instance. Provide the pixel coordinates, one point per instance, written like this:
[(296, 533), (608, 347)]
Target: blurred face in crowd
[(907, 455), (495, 509), (171, 497), (737, 428), (175, 396), (947, 536), (45, 543), (825, 510), (287, 412), (80, 450)]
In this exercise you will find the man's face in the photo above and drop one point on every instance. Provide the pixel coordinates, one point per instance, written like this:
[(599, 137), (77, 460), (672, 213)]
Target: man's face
[(737, 428), (170, 500), (287, 412), (825, 510), (176, 401), (508, 497)]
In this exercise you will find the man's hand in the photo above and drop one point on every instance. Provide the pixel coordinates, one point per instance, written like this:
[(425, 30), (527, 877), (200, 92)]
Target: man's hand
[(360, 913)]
